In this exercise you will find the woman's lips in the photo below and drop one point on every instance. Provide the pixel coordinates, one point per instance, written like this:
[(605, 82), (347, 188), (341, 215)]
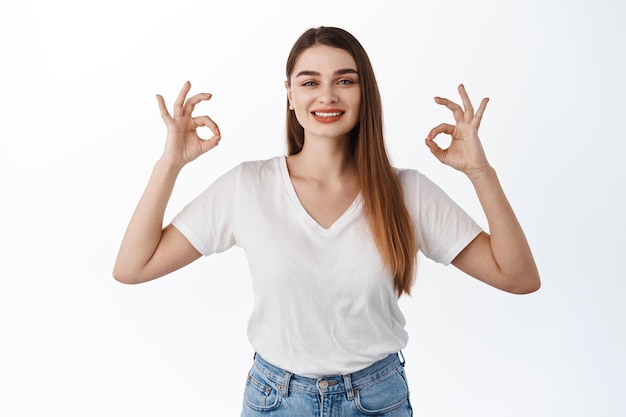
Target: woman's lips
[(328, 115)]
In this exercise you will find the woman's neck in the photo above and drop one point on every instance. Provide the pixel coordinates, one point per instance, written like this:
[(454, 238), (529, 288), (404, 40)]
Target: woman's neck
[(326, 160)]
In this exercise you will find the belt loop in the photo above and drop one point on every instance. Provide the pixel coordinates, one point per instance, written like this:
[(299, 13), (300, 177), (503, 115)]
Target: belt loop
[(348, 383), (402, 361), (286, 381)]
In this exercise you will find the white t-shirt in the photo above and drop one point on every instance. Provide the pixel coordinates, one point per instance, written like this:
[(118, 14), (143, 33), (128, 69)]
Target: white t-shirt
[(324, 300)]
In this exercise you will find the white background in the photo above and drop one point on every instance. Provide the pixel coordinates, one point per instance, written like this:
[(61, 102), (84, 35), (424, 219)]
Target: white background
[(80, 131)]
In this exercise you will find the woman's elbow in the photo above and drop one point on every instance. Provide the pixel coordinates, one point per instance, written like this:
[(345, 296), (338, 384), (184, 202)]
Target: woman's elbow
[(526, 283), (125, 276)]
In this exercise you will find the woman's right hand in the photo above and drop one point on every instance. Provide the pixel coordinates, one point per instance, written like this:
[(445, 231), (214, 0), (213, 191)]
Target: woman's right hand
[(183, 144)]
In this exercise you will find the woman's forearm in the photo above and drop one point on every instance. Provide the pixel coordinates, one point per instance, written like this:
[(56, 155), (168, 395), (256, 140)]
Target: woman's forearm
[(145, 228), (509, 246)]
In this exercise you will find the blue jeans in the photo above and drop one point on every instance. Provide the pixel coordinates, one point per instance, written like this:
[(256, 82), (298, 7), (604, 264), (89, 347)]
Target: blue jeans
[(378, 390)]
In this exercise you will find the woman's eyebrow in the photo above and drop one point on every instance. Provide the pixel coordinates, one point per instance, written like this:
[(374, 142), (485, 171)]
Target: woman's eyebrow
[(317, 74)]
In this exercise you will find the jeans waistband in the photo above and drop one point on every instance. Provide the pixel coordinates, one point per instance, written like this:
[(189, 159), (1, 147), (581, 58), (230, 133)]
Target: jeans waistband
[(337, 384)]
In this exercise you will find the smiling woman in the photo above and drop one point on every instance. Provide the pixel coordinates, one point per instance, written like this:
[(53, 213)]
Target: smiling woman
[(331, 232), (324, 86), (318, 92), (318, 86)]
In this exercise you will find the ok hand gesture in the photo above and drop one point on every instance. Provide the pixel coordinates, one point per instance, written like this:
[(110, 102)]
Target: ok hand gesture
[(183, 144), (465, 152)]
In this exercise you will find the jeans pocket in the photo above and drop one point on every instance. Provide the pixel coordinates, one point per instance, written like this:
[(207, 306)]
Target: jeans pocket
[(261, 394), (386, 394)]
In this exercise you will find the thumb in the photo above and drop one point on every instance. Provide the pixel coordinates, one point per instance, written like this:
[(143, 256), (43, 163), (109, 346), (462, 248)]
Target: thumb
[(208, 144), (435, 149)]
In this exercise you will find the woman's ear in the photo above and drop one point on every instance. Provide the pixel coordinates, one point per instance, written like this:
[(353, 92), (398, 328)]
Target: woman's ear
[(289, 95)]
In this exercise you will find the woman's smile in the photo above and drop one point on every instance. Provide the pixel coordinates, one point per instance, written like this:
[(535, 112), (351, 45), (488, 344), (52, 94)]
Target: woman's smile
[(327, 115)]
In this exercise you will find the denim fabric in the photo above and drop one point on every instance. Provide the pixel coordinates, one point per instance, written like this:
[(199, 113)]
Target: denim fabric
[(378, 390)]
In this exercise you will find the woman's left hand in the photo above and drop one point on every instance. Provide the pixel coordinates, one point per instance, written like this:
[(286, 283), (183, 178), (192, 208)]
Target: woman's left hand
[(465, 152)]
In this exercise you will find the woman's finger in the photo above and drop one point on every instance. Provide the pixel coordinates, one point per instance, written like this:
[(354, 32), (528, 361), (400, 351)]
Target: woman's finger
[(192, 101), (208, 144), (457, 111), (435, 149), (208, 122), (446, 128), (212, 142), (163, 108), (180, 100), (467, 103), (479, 113)]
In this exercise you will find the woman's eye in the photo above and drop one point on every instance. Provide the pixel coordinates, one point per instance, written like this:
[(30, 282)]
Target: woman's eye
[(345, 82), (309, 84)]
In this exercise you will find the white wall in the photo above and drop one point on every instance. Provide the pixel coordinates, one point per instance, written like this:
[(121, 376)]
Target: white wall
[(80, 130)]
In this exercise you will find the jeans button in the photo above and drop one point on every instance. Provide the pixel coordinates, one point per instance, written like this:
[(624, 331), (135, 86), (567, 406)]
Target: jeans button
[(323, 384)]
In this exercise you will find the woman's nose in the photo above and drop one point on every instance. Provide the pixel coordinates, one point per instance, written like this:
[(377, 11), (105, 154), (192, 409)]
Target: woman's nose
[(328, 95)]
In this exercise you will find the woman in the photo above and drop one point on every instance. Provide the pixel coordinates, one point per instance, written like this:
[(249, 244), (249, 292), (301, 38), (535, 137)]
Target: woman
[(331, 233)]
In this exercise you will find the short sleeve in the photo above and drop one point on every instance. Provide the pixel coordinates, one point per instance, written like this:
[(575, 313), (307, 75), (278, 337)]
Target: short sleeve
[(208, 221), (443, 228)]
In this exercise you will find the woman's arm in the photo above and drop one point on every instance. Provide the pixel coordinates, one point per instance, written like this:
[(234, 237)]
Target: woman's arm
[(503, 257), (148, 250)]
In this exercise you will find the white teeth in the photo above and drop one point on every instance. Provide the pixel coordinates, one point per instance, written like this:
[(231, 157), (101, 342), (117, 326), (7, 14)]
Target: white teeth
[(333, 114)]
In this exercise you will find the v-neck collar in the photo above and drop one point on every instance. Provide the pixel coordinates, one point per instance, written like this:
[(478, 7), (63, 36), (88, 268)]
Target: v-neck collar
[(304, 215)]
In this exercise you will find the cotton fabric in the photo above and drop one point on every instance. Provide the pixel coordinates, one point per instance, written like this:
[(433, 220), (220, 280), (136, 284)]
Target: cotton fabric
[(324, 301)]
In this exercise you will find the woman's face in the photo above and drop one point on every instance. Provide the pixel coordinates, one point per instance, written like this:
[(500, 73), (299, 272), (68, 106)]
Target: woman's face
[(325, 93)]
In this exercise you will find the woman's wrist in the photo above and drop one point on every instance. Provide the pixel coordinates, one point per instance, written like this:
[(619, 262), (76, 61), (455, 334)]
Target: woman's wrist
[(168, 165), (480, 174)]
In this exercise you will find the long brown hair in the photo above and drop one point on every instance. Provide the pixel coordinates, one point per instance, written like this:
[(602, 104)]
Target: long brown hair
[(383, 199)]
